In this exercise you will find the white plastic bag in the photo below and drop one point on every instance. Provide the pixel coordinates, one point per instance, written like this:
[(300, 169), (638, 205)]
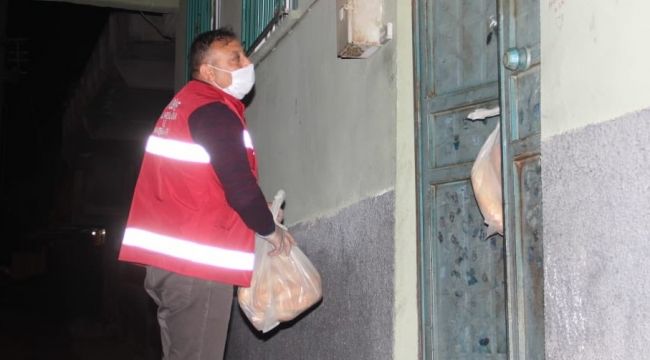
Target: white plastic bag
[(486, 182), (282, 286)]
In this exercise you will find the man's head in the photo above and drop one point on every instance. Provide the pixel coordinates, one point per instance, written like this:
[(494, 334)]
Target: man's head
[(214, 55)]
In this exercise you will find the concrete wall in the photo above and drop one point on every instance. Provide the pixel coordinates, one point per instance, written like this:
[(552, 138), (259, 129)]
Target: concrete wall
[(338, 136), (354, 320), (594, 173), (405, 313), (595, 61), (324, 127), (596, 240)]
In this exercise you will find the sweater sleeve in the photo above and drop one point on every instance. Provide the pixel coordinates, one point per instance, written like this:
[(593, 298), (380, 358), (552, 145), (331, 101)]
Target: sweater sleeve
[(220, 132)]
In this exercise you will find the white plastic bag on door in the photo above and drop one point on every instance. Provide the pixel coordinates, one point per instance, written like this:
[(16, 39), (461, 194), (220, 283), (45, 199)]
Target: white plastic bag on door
[(486, 182)]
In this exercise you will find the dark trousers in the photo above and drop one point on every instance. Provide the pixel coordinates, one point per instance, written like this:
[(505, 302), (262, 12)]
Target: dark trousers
[(193, 314)]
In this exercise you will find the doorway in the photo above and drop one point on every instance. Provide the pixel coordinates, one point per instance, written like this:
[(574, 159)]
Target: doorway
[(480, 297)]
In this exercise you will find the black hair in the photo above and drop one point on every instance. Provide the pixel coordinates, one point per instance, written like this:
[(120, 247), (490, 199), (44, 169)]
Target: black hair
[(202, 43)]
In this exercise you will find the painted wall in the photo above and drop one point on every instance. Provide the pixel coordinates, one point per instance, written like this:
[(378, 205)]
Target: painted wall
[(595, 131), (336, 133), (324, 127), (405, 312), (595, 61)]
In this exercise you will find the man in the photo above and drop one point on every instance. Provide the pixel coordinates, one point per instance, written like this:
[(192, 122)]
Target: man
[(197, 205)]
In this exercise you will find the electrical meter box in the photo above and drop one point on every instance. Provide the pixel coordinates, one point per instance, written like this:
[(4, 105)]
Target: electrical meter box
[(361, 29)]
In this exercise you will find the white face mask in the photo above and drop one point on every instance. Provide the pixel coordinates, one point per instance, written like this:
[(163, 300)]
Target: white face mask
[(242, 81)]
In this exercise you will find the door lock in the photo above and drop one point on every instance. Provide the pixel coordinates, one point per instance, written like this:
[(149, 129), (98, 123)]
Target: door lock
[(517, 59)]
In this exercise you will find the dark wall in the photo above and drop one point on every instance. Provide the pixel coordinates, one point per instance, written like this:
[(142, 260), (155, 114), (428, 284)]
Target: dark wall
[(353, 251), (53, 50), (46, 47)]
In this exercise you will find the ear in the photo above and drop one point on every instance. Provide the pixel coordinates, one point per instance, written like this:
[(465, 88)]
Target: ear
[(205, 73)]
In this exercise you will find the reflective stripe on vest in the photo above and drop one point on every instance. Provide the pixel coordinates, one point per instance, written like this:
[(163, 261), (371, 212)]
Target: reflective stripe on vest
[(248, 142), (184, 151), (188, 250), (177, 150)]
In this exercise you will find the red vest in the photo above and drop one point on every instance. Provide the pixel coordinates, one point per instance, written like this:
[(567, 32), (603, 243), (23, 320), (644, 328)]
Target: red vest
[(180, 220)]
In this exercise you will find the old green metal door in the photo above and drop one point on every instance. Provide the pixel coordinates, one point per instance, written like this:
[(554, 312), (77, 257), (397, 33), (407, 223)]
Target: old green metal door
[(519, 47), (462, 273), (475, 292)]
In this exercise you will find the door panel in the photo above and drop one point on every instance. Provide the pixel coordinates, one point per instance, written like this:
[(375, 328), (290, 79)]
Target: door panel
[(469, 278), (463, 277), (460, 56), (526, 23), (454, 139), (480, 298), (520, 124), (528, 103), (529, 180)]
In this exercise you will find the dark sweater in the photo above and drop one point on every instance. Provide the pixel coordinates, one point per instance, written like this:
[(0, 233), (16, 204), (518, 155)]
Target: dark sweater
[(219, 131)]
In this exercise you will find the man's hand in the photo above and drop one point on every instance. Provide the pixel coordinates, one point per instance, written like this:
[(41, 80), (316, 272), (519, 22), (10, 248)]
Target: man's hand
[(281, 240)]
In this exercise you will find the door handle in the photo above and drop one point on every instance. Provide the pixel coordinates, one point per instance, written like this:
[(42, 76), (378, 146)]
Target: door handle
[(517, 59)]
